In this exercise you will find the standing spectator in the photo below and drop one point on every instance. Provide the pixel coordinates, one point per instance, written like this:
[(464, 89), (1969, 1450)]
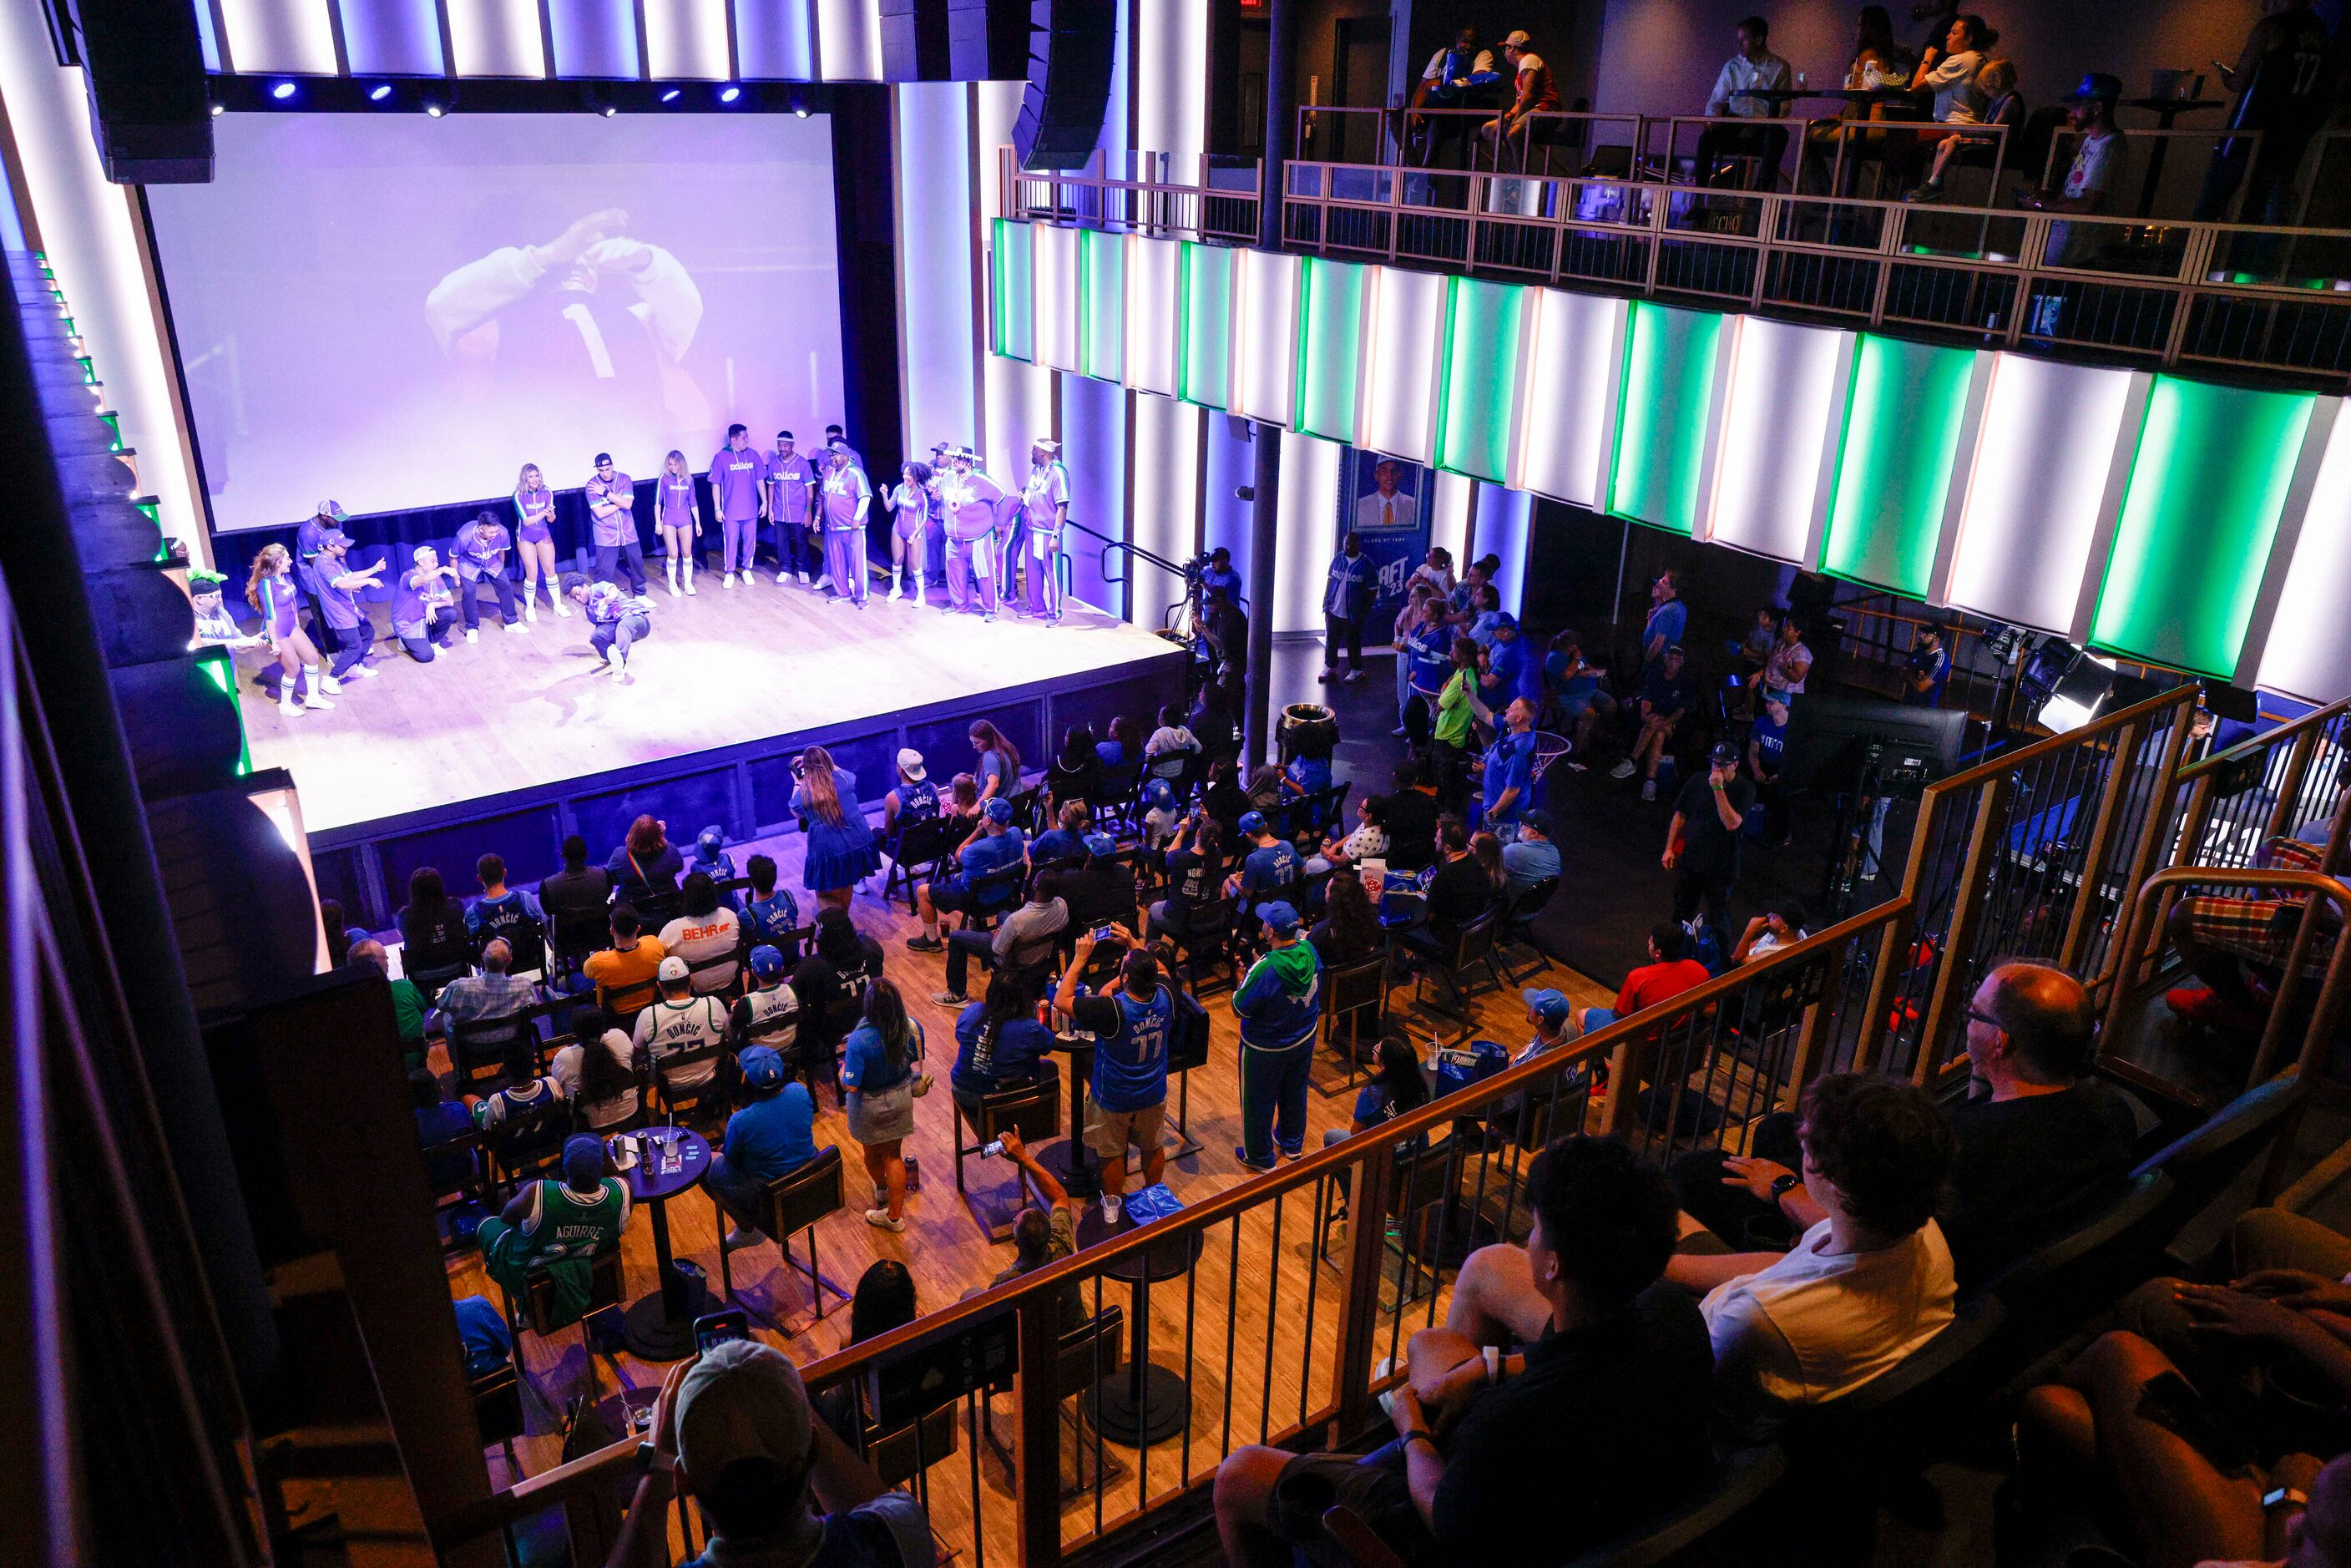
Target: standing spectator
[(1767, 755), (1426, 650), (679, 1020), (1412, 813), (1702, 841), (1504, 675), (578, 893), (1790, 660), (1667, 619), (1536, 93), (878, 1074), (1435, 569), (2281, 83), (2090, 177), (1927, 669), (841, 851), (1279, 1005), (1193, 857), (1022, 942), (647, 864), (704, 930), (772, 1136), (1667, 975), (626, 971), (1347, 598), (1508, 771), (1531, 857), (1752, 69), (1667, 695), (1133, 1027), (407, 1001), (1456, 81), (998, 767), (1457, 708)]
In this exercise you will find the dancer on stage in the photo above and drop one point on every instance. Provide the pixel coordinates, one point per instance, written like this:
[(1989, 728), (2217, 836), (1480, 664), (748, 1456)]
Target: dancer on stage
[(1046, 501), (423, 608), (612, 513), (215, 627), (480, 552), (909, 501), (791, 506), (847, 498), (935, 530), (617, 621), (271, 590), (329, 514), (739, 478), (840, 853), (679, 520), (534, 538), (972, 501), (339, 586)]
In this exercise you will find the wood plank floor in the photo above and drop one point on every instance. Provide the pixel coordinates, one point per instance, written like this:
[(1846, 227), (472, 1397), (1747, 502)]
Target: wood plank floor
[(1242, 1323), (722, 666)]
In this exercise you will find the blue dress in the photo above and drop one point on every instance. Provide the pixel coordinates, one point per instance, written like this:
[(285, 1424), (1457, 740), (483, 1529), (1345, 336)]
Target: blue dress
[(840, 856)]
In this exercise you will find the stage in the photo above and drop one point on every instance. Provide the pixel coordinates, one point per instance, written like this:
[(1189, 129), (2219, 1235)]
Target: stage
[(512, 742)]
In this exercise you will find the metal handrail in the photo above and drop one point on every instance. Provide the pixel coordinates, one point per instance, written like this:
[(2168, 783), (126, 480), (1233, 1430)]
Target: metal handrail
[(1111, 545)]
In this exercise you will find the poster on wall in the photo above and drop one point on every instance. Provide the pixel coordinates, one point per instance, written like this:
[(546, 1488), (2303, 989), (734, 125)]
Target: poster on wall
[(1384, 501)]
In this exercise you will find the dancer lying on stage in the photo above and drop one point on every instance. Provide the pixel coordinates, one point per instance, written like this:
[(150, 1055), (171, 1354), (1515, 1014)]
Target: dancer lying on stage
[(534, 538), (617, 621)]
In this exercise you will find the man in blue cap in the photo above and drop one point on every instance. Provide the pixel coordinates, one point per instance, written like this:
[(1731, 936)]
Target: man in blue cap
[(711, 859), (773, 1135), (997, 845), (1506, 661), (1507, 772), (1279, 1005), (560, 1226), (770, 1008), (1101, 890), (1269, 868)]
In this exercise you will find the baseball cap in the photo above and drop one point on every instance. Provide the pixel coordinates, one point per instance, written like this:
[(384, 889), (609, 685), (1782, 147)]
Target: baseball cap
[(1725, 754), (1279, 917), (1101, 844), (1518, 39), (1505, 622), (762, 1068), (335, 509), (583, 1160), (334, 538), (2096, 85), (1252, 821), (999, 811), (1547, 1005), (910, 763), (743, 1400), (1046, 444), (1673, 651), (1539, 820), (710, 840), (1161, 794), (841, 447), (672, 969), (767, 959), (202, 581)]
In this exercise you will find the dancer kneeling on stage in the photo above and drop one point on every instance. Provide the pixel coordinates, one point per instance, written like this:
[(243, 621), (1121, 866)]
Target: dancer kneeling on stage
[(617, 621), (424, 609), (271, 591), (481, 556)]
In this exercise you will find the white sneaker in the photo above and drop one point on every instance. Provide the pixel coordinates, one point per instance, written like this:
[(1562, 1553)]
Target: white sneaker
[(530, 610), (517, 628), (824, 583), (1354, 675), (360, 673), (804, 581), (690, 593), (562, 611), (880, 1220), (473, 635), (1622, 770), (785, 575), (672, 588), (329, 684), (290, 707), (316, 699), (897, 589), (727, 581)]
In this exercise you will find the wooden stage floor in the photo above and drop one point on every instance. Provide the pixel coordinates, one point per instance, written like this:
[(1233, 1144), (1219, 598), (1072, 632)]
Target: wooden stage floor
[(512, 712)]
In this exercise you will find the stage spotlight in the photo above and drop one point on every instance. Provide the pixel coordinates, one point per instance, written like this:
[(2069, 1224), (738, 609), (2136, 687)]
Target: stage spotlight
[(282, 91), (379, 92), (609, 110), (799, 109), (671, 96), (2079, 697), (434, 109), (729, 94), (219, 109)]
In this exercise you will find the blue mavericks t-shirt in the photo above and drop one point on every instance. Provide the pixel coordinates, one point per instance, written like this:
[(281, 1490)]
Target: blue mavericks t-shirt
[(1512, 760), (984, 854), (1130, 1060), (1668, 621), (1770, 742), (1268, 867), (770, 920), (771, 1137)]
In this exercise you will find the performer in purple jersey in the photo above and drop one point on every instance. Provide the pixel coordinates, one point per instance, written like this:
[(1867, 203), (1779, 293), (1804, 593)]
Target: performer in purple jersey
[(424, 605), (272, 591), (934, 528), (679, 520), (1046, 501), (791, 492), (738, 481), (479, 551), (973, 500), (339, 584), (847, 498), (909, 501), (617, 621), (612, 521), (535, 540)]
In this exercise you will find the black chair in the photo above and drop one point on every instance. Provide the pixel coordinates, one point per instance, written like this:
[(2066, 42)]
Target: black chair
[(690, 1102), (1063, 785), (1025, 805), (1084, 1352), (498, 1409), (2207, 1162), (1742, 1480), (453, 1170), (578, 935), (1031, 1110), (1472, 944), (1187, 1048), (2052, 1291), (525, 937), (903, 1453), (915, 856), (793, 1202), (1517, 929), (994, 895), (538, 1306), (1355, 1010), (1422, 1223), (521, 1147), (478, 1051), (1207, 935)]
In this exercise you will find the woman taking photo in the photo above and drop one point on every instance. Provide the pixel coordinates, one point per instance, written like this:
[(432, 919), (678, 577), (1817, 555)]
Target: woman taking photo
[(841, 851), (535, 541), (878, 1079)]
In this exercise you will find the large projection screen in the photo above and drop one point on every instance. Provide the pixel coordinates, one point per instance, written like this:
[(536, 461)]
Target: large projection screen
[(396, 311)]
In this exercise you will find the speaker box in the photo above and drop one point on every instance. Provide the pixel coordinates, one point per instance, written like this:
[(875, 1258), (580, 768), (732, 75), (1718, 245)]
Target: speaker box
[(144, 67), (1069, 45)]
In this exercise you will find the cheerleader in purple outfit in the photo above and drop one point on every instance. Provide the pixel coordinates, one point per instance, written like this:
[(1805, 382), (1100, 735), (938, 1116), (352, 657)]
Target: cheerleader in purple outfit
[(535, 540), (271, 590), (910, 503), (679, 520), (847, 498)]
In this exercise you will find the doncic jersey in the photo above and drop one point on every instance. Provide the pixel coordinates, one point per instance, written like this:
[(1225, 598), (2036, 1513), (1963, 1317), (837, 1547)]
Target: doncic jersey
[(561, 1223), (1131, 1067), (918, 802)]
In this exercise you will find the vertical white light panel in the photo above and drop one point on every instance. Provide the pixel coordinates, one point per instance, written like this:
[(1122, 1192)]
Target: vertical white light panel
[(1567, 410), (1399, 369), (392, 38), (1782, 409), (776, 39), (1448, 519), (849, 42), (1016, 399), (938, 398), (687, 38), (1056, 296), (278, 36), (1165, 482), (2307, 654), (1093, 447), (1308, 519), (2043, 491), (1154, 295), (501, 39), (1171, 98), (1505, 521), (1265, 334)]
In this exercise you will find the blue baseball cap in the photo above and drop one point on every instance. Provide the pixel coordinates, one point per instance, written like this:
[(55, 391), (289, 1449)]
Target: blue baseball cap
[(762, 1068), (1547, 1005), (1101, 844), (583, 1160), (766, 960), (1162, 795), (1252, 821), (1278, 917), (1505, 622), (997, 810), (710, 841)]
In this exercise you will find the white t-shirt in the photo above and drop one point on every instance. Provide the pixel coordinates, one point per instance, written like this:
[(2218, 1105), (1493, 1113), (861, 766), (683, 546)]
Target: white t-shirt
[(1480, 65), (698, 939), (1958, 99), (1769, 943), (1816, 1325), (568, 1068), (2093, 168)]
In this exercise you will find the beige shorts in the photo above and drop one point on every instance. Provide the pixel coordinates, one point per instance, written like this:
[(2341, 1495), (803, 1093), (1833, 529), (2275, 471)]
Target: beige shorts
[(1114, 1130)]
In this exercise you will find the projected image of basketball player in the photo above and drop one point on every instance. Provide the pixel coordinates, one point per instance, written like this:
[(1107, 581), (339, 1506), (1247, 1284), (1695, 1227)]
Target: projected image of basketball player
[(593, 319)]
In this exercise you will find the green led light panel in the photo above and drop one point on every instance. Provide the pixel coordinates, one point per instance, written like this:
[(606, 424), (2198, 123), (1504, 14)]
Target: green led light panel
[(2206, 487), (1102, 304), (1205, 366), (1894, 467), (219, 669), (1477, 397), (1329, 346), (1667, 396), (1014, 266)]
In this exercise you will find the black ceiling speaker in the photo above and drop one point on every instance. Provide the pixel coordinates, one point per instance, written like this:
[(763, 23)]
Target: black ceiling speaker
[(144, 67), (1069, 45)]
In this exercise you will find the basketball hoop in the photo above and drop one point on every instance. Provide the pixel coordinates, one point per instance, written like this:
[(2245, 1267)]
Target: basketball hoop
[(1549, 749)]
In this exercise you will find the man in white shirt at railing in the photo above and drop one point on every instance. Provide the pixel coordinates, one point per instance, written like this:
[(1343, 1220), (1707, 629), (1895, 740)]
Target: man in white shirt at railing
[(1753, 69), (1456, 78)]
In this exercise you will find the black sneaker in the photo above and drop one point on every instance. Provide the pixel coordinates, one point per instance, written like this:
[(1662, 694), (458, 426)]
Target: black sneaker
[(926, 944), (1241, 1154)]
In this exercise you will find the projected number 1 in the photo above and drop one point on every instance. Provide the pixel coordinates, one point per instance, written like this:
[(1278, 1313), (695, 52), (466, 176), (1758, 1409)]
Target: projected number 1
[(592, 336)]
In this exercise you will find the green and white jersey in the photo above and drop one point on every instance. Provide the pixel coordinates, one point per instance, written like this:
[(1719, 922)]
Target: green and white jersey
[(667, 1027), (561, 1223)]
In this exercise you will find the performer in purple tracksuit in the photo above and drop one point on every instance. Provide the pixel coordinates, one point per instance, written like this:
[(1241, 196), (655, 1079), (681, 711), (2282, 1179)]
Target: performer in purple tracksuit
[(847, 498), (972, 501), (273, 590), (676, 515), (739, 478), (910, 502), (1046, 500), (535, 540), (611, 515), (791, 493), (328, 514), (423, 606), (617, 621), (480, 553)]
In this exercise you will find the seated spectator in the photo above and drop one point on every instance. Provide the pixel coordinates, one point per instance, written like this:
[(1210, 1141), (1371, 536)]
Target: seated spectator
[(999, 1044), (1950, 72), (597, 1072), (705, 929), (1864, 1287), (2090, 177), (884, 1299), (339, 930), (407, 1002), (1486, 851), (483, 1334), (978, 885), (560, 1226), (1267, 788), (1193, 857), (1121, 755), (1269, 868), (440, 1122), (733, 1431), (484, 998), (2003, 107), (646, 864), (1065, 839), (1412, 813), (1755, 650), (1306, 775), (1171, 746), (914, 799), (770, 1010), (1531, 857), (1668, 695), (1781, 924), (1667, 974), (841, 961), (772, 1136), (1576, 696), (1162, 815), (1610, 1388), (1551, 1023), (1461, 892), (1076, 773), (433, 946), (1044, 1235), (578, 893), (678, 1021), (1754, 70), (711, 859), (1790, 663), (1349, 931), (771, 915), (1222, 796), (1022, 942), (1100, 890), (624, 972), (2224, 938), (1398, 1089), (501, 911), (526, 1092), (1369, 841)]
